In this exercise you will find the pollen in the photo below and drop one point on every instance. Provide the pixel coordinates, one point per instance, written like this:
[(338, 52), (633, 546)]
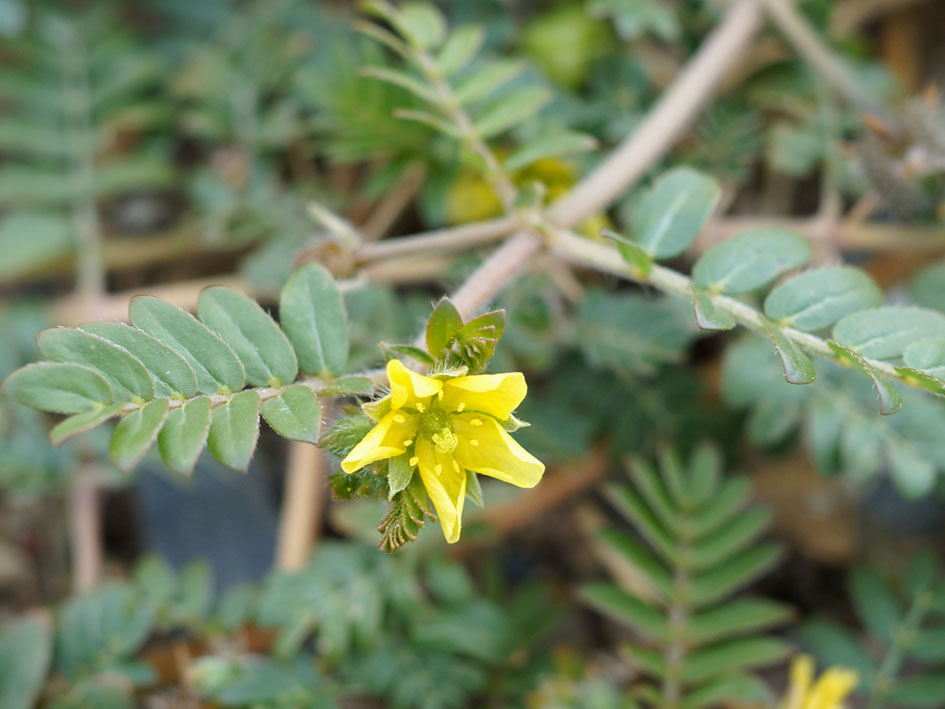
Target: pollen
[(420, 407), (439, 395), (399, 418), (445, 441), (407, 442), (413, 461), (476, 422), (462, 405)]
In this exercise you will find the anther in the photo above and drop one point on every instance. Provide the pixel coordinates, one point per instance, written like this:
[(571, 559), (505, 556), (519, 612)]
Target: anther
[(420, 407), (437, 468), (476, 422), (399, 418), (407, 442), (462, 405), (413, 461)]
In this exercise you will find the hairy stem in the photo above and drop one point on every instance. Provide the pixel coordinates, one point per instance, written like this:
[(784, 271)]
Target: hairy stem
[(605, 258), (450, 239)]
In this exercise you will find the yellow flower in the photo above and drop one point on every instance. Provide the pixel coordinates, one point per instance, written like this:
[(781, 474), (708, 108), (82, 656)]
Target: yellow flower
[(448, 426), (828, 692)]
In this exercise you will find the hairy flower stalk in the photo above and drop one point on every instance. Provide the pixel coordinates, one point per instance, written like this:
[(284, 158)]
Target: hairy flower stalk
[(448, 427)]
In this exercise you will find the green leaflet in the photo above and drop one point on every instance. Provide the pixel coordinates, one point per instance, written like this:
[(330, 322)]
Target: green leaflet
[(818, 298), (886, 332), (798, 369), (59, 388), (217, 368), (442, 326), (260, 344), (171, 374), (671, 215), (313, 317), (708, 315), (234, 430), (184, 435), (295, 413), (80, 423), (25, 653), (135, 433), (127, 376), (749, 260)]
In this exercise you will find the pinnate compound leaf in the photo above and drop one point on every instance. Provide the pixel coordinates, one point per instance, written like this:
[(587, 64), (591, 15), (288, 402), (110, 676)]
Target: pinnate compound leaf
[(184, 435), (422, 24), (836, 646), (171, 374), (709, 316), (234, 430), (671, 215), (818, 298), (313, 317), (127, 376), (749, 260), (797, 366), (58, 388), (216, 366), (80, 423), (888, 331), (295, 413), (260, 344), (135, 433), (25, 652)]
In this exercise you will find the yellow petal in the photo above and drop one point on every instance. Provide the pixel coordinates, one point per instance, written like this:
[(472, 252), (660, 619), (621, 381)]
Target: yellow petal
[(406, 386), (494, 394), (446, 486), (832, 688), (801, 676), (485, 447), (385, 440)]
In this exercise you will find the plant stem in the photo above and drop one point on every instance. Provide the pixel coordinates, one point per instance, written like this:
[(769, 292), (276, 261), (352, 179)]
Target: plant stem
[(604, 258), (450, 239), (666, 121), (885, 677), (301, 505), (84, 502)]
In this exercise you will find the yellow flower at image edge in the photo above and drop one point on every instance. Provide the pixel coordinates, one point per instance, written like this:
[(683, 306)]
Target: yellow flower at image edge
[(828, 692), (448, 426)]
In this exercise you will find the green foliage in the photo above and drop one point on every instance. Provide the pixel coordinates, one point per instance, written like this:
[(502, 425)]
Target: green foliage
[(179, 380), (701, 547), (842, 432), (462, 96), (876, 341), (25, 651), (902, 665), (78, 93)]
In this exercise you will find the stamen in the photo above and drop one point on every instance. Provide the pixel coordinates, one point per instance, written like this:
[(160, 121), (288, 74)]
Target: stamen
[(420, 407), (399, 418), (439, 394), (413, 461), (476, 422), (407, 442), (473, 442), (462, 405), (445, 441)]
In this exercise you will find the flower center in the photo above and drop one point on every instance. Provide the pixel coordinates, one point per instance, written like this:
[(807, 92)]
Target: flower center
[(435, 424)]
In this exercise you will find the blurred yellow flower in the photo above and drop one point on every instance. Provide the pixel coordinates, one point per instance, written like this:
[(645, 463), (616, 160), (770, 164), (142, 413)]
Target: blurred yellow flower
[(828, 692), (446, 426)]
